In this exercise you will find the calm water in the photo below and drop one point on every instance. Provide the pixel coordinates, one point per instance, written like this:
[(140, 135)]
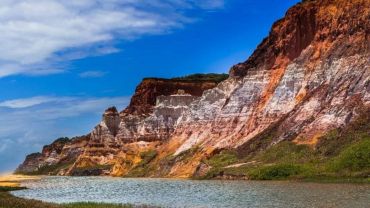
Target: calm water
[(188, 193)]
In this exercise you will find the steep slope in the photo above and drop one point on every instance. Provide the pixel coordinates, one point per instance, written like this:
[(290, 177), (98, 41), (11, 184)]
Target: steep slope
[(147, 122), (54, 158), (309, 77)]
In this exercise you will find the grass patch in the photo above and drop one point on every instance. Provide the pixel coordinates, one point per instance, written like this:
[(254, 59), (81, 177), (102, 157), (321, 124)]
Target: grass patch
[(9, 201), (218, 162), (277, 162), (287, 160), (288, 152), (95, 205), (223, 159), (356, 157), (143, 168), (340, 155), (7, 188), (275, 172)]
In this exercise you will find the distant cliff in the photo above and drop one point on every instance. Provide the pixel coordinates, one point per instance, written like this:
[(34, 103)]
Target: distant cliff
[(298, 107), (148, 120)]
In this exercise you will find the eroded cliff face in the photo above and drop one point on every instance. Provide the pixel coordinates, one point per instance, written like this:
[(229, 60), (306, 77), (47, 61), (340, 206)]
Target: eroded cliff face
[(115, 144), (310, 75), (306, 78), (119, 150), (55, 158)]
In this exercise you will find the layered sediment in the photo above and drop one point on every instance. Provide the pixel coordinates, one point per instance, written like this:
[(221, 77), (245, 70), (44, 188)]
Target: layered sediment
[(309, 76)]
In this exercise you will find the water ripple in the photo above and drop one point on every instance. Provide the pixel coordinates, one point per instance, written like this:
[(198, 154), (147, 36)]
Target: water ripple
[(201, 194)]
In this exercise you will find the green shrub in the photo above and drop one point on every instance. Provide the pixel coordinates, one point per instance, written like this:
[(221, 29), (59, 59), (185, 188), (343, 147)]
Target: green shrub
[(328, 144), (9, 201), (217, 163), (210, 77), (342, 154), (336, 140), (287, 152), (280, 171), (240, 171), (203, 77), (356, 157), (224, 158)]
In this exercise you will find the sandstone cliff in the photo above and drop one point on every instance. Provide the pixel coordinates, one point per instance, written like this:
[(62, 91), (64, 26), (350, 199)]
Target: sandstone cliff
[(148, 121), (149, 89), (54, 158), (310, 76)]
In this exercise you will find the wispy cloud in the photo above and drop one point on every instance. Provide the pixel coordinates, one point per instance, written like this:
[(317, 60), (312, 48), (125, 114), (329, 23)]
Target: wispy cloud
[(92, 74), (210, 4), (35, 34), (29, 102), (29, 123), (47, 108)]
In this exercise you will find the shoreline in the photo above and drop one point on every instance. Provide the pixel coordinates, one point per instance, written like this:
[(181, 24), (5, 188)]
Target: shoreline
[(8, 200), (16, 180), (13, 180)]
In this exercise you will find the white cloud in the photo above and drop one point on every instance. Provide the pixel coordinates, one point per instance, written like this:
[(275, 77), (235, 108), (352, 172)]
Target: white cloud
[(29, 123), (92, 74), (35, 34), (29, 102), (49, 107)]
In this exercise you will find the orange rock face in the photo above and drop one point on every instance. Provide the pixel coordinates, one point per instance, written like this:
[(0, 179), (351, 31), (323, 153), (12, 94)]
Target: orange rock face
[(144, 125), (298, 84), (310, 75)]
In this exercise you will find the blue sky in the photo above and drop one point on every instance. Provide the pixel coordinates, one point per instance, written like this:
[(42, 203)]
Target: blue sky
[(62, 64)]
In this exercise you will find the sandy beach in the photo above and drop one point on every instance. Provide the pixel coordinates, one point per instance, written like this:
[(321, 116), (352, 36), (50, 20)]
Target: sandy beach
[(14, 180)]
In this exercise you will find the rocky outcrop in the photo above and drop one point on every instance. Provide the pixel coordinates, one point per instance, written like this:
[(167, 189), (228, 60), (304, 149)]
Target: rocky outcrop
[(309, 76), (148, 121), (137, 132), (111, 120), (55, 158), (32, 163), (149, 89)]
